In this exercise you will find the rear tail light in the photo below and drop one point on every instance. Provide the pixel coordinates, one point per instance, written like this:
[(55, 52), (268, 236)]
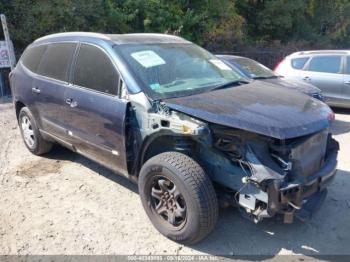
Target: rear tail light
[(281, 67), (277, 65), (331, 116)]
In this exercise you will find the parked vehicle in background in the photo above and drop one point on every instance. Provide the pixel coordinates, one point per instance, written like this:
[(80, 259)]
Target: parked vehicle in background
[(329, 70), (181, 123), (252, 69)]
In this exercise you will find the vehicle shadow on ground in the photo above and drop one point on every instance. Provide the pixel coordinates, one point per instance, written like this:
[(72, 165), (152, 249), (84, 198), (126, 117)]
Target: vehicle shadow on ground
[(327, 233), (343, 111), (62, 153)]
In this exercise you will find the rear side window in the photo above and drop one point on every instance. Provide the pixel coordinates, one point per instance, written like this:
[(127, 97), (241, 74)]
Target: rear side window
[(298, 63), (348, 65), (32, 56), (94, 70), (56, 61), (325, 64)]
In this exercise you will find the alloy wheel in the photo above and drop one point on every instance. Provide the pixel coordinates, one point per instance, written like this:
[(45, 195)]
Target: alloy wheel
[(167, 202), (27, 131)]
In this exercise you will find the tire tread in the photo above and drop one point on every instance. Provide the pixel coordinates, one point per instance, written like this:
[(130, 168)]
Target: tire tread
[(201, 186)]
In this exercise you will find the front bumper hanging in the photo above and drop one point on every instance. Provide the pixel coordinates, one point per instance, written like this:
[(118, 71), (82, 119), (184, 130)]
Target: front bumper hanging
[(301, 200)]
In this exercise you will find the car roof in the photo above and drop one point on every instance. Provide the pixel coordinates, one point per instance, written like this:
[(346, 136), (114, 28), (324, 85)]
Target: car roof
[(320, 52), (119, 39)]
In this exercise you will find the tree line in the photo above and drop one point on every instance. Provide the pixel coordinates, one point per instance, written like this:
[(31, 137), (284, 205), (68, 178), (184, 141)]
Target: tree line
[(219, 25)]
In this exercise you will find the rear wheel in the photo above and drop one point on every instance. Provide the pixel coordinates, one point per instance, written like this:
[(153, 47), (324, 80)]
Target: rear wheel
[(178, 197), (30, 133)]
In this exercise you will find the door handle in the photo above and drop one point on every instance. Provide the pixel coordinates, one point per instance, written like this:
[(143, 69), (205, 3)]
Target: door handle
[(306, 78), (68, 101), (71, 102), (347, 82), (35, 90)]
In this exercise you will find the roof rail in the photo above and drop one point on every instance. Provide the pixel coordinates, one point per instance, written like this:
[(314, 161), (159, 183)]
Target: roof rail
[(323, 52), (91, 34)]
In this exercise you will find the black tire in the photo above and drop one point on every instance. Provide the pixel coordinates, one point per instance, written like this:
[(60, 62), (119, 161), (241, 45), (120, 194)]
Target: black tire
[(39, 145), (197, 197)]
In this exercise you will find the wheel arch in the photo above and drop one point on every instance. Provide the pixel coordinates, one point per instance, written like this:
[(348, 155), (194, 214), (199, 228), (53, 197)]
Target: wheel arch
[(18, 106), (164, 141)]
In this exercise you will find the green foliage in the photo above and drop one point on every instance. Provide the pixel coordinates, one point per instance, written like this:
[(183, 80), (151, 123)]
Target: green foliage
[(30, 19), (314, 23), (215, 24)]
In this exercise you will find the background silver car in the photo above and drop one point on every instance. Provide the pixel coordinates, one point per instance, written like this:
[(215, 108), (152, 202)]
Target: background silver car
[(329, 70)]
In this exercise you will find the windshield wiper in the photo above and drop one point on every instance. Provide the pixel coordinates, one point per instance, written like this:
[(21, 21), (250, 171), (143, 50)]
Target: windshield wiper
[(264, 77), (230, 84)]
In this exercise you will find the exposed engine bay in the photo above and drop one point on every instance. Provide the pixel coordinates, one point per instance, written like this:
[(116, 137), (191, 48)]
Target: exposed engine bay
[(278, 174), (262, 175)]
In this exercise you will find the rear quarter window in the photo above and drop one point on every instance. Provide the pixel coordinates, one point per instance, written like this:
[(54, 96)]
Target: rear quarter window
[(298, 63), (56, 61), (32, 57)]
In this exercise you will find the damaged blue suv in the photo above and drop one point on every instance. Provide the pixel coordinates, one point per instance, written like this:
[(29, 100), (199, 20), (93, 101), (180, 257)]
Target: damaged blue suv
[(170, 116)]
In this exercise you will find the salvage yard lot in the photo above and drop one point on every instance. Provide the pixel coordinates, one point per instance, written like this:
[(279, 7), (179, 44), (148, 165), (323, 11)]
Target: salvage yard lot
[(63, 203)]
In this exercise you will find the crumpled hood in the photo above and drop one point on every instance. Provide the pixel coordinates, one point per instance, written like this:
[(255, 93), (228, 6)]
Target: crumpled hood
[(296, 85), (257, 107)]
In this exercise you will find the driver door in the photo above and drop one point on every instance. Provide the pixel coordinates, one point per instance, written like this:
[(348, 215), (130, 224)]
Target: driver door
[(94, 114)]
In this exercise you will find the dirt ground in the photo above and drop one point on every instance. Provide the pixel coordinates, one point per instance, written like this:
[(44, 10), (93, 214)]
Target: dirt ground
[(63, 203)]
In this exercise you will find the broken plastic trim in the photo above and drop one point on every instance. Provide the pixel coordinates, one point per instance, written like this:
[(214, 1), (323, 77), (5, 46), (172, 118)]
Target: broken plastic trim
[(267, 170)]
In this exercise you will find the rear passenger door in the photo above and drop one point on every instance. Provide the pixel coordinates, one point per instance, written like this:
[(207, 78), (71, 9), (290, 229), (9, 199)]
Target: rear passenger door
[(325, 72), (49, 86), (94, 115)]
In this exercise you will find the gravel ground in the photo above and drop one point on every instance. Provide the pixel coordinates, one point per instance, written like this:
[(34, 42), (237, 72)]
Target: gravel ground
[(63, 203)]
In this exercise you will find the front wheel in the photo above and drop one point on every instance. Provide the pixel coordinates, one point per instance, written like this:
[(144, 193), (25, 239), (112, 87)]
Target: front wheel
[(178, 197)]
